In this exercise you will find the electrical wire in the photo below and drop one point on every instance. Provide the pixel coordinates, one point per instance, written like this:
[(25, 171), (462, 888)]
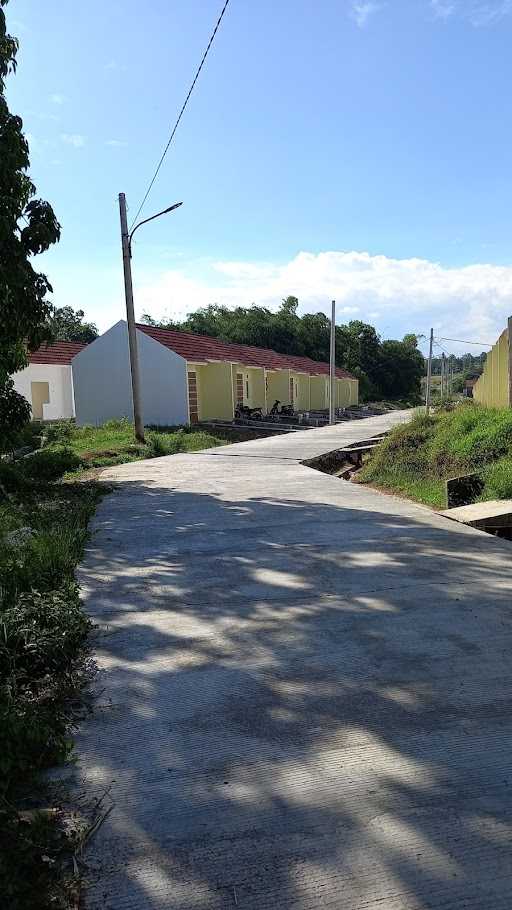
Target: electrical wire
[(486, 344), (175, 127)]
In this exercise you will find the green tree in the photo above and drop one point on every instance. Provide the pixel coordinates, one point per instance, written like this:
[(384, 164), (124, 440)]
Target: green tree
[(27, 226), (401, 367), (66, 324)]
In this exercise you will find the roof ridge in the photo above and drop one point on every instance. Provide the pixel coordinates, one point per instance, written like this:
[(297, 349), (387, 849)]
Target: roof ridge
[(293, 358)]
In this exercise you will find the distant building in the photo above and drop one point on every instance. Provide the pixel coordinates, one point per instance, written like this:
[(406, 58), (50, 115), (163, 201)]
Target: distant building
[(47, 381), (187, 378), (469, 385)]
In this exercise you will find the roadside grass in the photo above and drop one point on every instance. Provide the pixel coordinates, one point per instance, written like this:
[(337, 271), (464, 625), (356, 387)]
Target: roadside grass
[(43, 633), (114, 443), (417, 458)]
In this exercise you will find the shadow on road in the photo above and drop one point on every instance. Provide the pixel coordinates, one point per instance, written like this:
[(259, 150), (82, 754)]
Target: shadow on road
[(305, 705)]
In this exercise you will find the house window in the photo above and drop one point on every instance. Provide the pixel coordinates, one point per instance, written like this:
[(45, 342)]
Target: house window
[(247, 391)]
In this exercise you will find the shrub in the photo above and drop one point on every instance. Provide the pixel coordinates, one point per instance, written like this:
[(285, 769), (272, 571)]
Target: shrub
[(60, 432), (49, 464), (41, 633), (11, 479), (160, 444)]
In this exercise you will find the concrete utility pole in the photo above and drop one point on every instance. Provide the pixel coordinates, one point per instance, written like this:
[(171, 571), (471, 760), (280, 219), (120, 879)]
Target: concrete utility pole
[(332, 367), (126, 240), (130, 318), (443, 376), (429, 372)]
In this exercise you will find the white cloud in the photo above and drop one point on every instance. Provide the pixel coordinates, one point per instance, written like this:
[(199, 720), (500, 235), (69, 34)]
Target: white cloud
[(443, 9), (361, 10), (116, 143), (57, 98), (402, 295), (478, 13), (74, 139), (482, 14)]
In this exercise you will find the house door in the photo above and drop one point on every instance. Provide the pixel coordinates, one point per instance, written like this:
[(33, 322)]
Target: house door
[(292, 398), (193, 405), (40, 394)]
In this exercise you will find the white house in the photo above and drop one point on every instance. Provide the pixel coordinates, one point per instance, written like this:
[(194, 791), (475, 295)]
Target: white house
[(47, 382), (102, 380)]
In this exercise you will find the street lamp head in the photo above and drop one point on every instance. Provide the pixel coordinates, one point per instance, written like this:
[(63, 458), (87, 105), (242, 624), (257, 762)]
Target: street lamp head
[(152, 218), (171, 208)]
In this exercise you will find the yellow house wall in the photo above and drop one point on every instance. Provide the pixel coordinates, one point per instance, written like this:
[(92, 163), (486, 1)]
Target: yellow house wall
[(256, 376), (215, 391), (278, 386), (302, 400), (492, 389), (319, 399), (257, 387), (343, 393), (354, 391), (235, 368)]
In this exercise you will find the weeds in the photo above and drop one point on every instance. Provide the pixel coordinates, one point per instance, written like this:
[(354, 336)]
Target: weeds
[(43, 527), (417, 458)]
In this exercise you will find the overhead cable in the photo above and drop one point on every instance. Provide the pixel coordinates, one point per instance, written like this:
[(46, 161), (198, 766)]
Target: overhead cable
[(175, 127)]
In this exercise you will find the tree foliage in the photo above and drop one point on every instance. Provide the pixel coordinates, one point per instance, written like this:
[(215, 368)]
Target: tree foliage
[(28, 226), (471, 365), (385, 369), (67, 324)]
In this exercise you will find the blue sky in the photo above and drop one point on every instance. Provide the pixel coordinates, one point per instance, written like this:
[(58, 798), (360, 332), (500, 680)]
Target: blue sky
[(346, 148)]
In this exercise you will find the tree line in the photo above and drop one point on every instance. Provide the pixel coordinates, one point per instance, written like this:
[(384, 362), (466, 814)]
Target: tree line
[(471, 365), (385, 369)]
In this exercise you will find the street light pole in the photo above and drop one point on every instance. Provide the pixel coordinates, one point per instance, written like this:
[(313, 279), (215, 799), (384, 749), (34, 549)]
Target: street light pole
[(126, 241), (130, 318), (332, 366)]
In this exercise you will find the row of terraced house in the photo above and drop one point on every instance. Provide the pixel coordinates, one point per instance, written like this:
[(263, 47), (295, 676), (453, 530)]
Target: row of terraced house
[(185, 378)]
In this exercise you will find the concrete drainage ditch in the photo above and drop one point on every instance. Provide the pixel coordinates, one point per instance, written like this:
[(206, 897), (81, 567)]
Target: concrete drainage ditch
[(345, 462)]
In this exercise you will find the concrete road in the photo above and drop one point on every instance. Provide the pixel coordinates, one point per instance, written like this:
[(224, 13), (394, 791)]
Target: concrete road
[(304, 696)]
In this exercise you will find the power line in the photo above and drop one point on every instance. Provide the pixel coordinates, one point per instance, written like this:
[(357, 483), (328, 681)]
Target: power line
[(175, 127), (487, 344)]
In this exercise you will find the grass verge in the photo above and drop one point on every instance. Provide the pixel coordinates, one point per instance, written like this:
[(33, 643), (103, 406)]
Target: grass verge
[(114, 443), (43, 632), (417, 458)]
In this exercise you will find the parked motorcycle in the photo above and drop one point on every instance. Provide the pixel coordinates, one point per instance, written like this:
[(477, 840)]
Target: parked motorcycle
[(244, 412), (286, 410)]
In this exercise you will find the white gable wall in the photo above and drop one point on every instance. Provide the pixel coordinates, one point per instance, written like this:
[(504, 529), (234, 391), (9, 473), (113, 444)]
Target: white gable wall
[(103, 386), (60, 383)]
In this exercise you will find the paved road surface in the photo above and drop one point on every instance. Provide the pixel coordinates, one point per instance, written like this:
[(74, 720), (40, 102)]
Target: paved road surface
[(304, 691)]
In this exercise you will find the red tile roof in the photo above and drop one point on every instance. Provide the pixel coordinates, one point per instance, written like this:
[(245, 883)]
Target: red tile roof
[(203, 348), (60, 352)]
